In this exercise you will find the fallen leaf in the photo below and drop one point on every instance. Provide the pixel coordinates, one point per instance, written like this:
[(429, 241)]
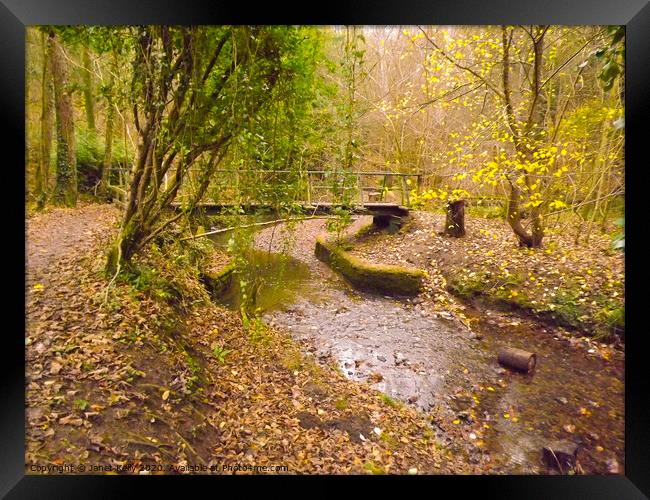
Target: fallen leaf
[(71, 420)]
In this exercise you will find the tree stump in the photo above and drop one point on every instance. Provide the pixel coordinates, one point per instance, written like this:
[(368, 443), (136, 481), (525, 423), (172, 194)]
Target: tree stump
[(455, 223), (518, 359)]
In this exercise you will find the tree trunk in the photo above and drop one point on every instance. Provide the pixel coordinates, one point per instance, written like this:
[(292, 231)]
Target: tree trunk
[(514, 219), (65, 191), (159, 154), (124, 247), (87, 78), (455, 222), (108, 148), (531, 130), (43, 170)]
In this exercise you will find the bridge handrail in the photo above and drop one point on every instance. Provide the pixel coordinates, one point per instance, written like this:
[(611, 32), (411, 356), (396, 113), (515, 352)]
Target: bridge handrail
[(355, 172)]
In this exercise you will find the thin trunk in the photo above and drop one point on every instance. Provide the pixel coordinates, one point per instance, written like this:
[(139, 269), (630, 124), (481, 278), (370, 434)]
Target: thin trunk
[(108, 149), (514, 217), (43, 170), (530, 129), (87, 78), (599, 163), (65, 191)]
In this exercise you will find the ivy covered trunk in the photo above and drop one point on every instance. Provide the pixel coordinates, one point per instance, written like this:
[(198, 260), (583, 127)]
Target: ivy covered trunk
[(170, 99), (43, 171), (125, 246), (65, 191)]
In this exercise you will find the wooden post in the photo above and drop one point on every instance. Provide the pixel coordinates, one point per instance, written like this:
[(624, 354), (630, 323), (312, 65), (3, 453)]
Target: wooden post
[(308, 188), (383, 188), (406, 191), (455, 221), (360, 189)]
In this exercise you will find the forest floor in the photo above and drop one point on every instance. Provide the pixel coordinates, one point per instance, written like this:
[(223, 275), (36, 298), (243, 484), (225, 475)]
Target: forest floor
[(577, 287), (149, 377)]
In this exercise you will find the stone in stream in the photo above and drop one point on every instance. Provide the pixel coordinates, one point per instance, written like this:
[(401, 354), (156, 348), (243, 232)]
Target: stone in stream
[(561, 455)]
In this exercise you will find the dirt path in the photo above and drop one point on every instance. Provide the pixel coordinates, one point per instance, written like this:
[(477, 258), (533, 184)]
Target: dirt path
[(65, 232)]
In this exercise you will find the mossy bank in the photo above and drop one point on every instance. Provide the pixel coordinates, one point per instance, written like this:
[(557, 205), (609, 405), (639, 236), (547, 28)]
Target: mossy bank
[(383, 278)]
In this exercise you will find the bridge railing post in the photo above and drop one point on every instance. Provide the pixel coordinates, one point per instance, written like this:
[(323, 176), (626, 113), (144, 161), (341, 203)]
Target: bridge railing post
[(360, 189), (405, 193), (308, 188)]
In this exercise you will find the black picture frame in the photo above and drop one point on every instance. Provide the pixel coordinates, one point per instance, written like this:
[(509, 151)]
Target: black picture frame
[(15, 15)]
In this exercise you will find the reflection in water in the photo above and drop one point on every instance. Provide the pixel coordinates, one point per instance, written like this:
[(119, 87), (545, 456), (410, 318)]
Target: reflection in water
[(267, 281)]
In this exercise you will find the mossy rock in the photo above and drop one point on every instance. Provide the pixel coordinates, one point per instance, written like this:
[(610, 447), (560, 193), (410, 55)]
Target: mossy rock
[(386, 279), (217, 283)]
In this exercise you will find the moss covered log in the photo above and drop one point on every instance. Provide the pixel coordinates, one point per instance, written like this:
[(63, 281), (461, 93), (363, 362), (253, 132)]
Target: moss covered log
[(387, 279)]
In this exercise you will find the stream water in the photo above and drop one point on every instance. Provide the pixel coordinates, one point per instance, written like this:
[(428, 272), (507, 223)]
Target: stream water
[(501, 419)]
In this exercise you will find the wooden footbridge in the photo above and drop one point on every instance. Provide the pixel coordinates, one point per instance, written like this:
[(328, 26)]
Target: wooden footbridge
[(384, 195), (367, 208)]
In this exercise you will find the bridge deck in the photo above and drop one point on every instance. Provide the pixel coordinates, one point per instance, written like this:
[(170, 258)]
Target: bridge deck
[(371, 208)]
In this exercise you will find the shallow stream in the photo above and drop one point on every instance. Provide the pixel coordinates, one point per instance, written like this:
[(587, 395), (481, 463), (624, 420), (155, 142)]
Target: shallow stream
[(498, 418)]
